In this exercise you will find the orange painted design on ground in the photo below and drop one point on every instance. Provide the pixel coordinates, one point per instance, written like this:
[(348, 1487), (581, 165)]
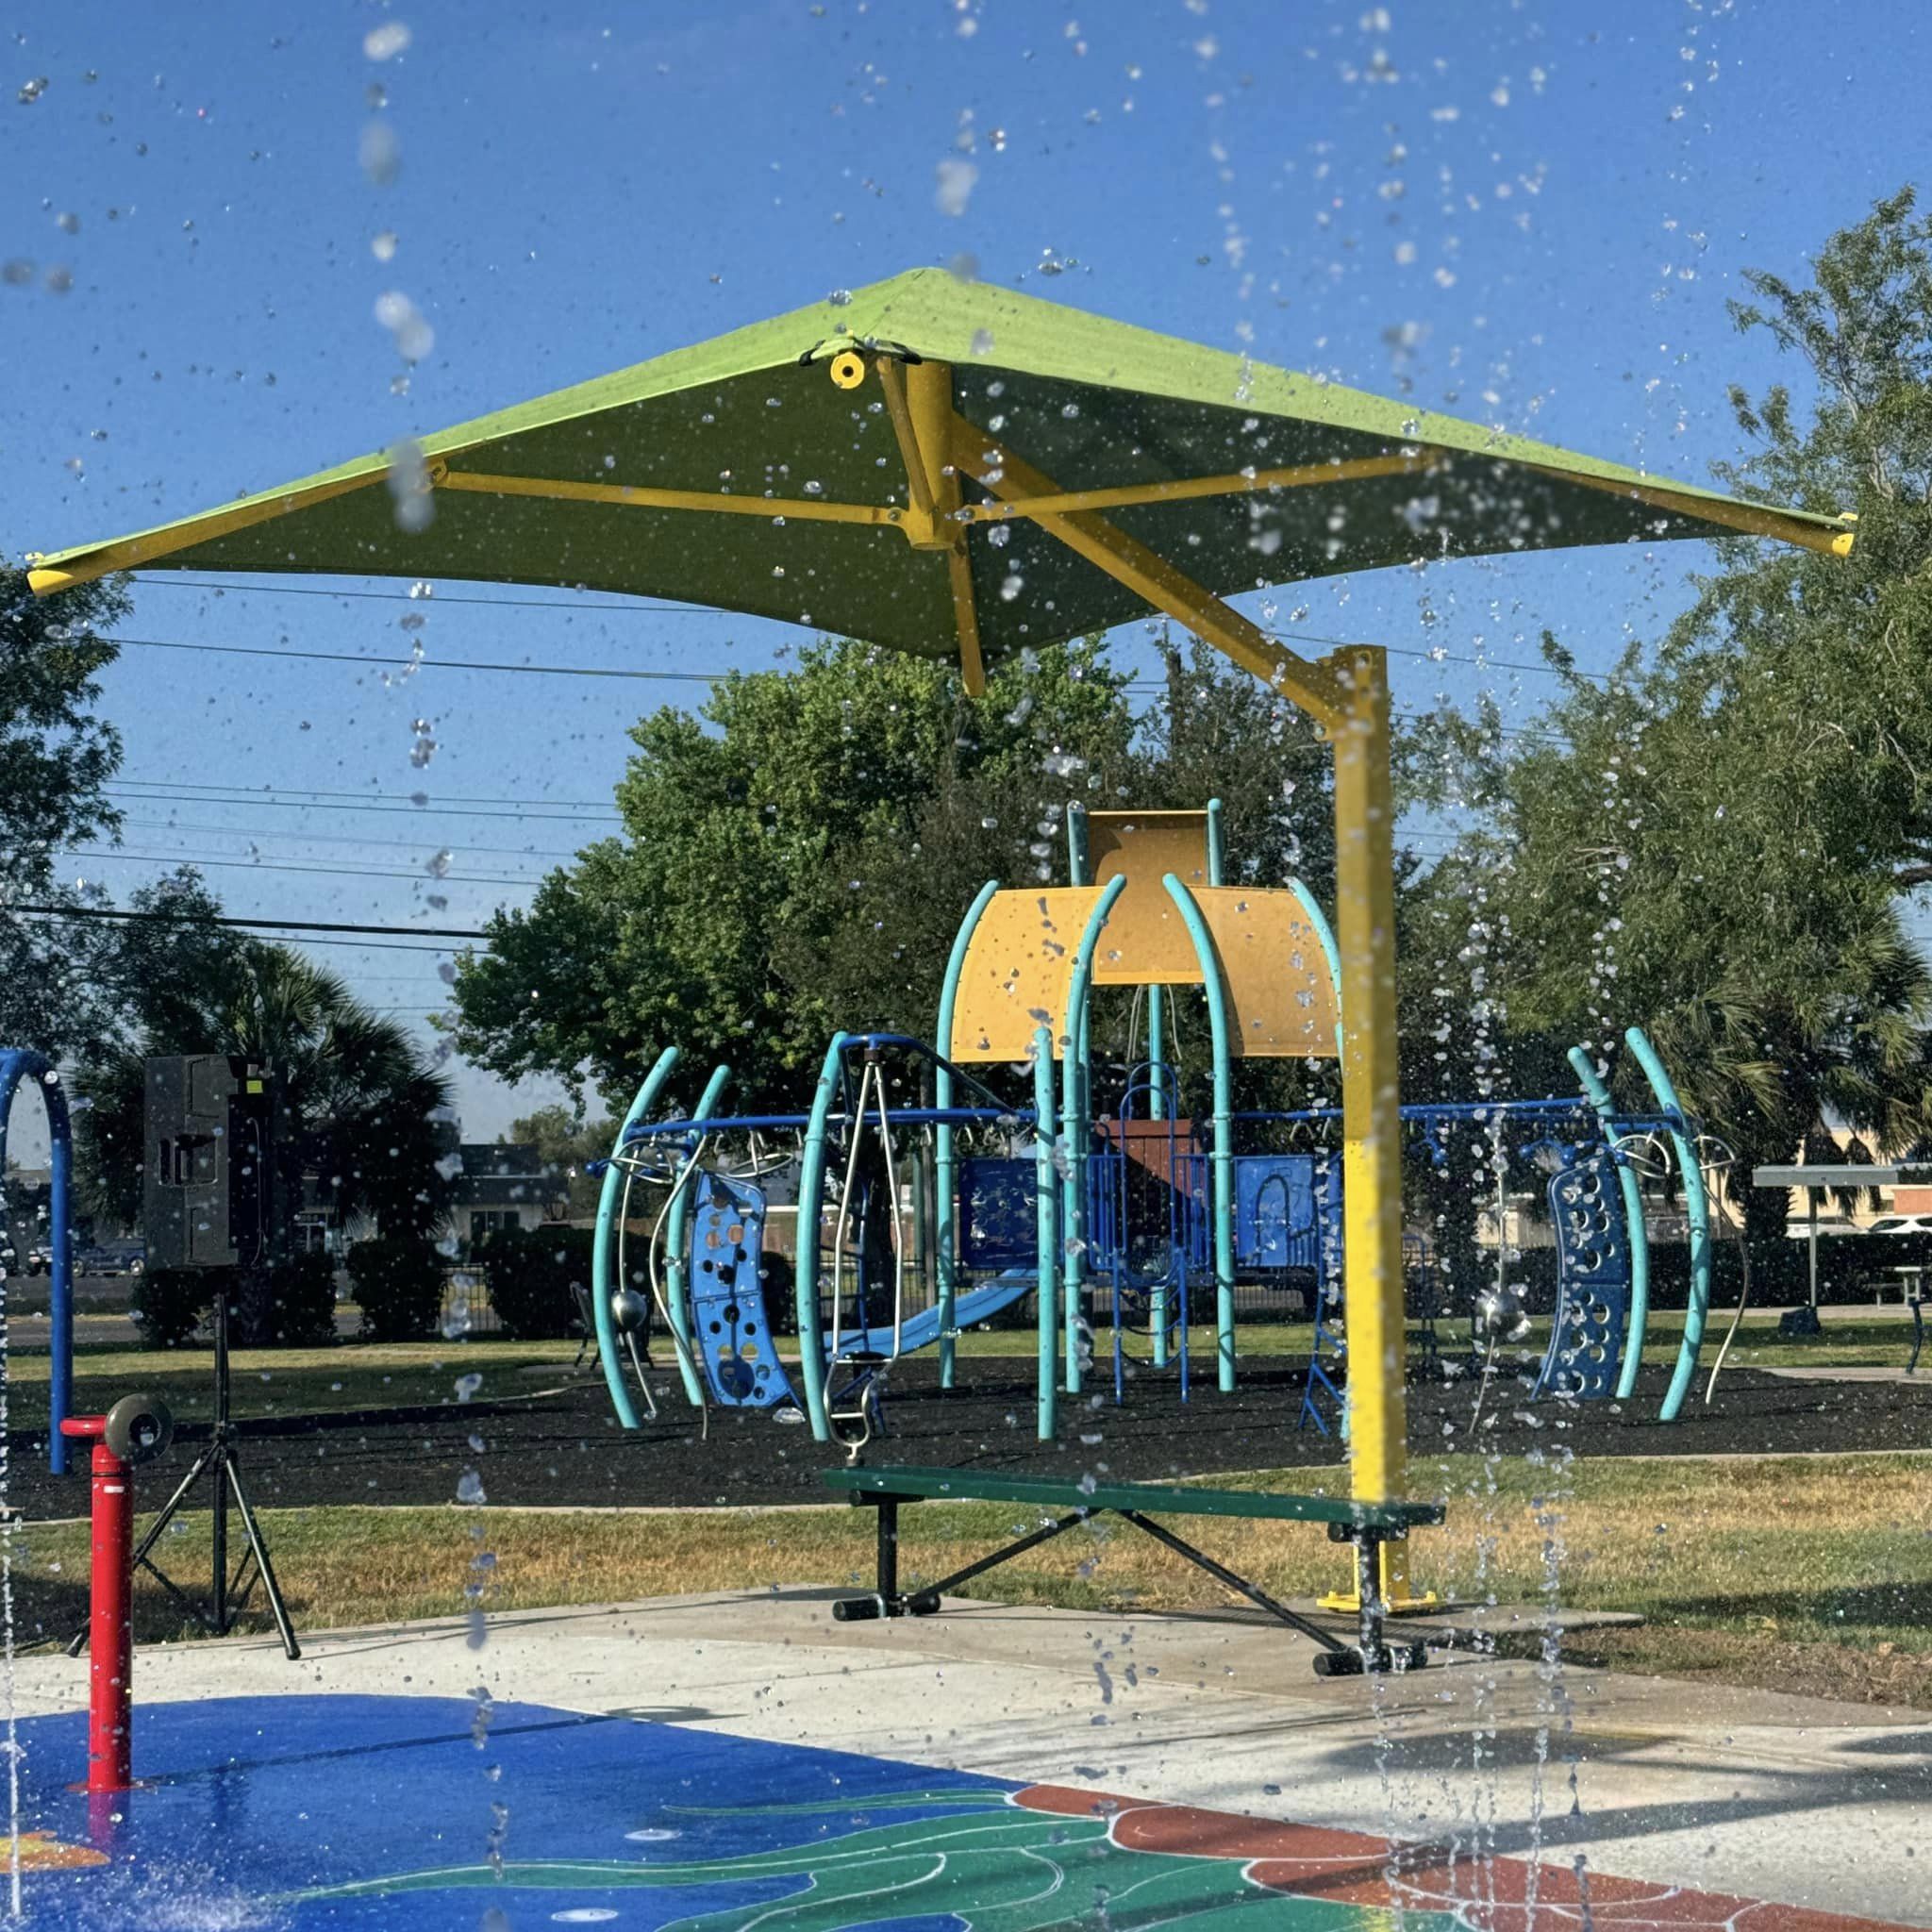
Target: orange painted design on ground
[(39, 1853), (1356, 1868)]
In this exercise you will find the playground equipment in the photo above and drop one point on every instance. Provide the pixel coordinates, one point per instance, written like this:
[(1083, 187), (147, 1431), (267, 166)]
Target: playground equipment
[(923, 1201), (17, 1064), (707, 1271)]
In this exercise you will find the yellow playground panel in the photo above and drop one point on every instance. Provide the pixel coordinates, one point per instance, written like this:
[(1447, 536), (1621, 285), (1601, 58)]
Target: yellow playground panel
[(1020, 958)]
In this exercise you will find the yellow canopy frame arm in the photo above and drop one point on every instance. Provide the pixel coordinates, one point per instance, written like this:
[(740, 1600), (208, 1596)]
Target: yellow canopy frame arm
[(129, 553), (1754, 520), (918, 397), (1147, 573)]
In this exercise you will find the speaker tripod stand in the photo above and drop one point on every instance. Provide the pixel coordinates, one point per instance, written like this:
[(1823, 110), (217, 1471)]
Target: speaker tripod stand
[(220, 1460)]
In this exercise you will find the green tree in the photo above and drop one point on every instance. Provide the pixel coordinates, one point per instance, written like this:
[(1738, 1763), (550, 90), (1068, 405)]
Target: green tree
[(803, 863), (1714, 841), (795, 859), (565, 1143), (361, 1108), (56, 759)]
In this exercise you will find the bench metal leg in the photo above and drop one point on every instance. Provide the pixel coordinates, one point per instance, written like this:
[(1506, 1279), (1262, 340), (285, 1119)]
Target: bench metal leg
[(1240, 1585), (889, 1602)]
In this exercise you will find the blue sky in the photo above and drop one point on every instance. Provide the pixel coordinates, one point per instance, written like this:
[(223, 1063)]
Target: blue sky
[(1530, 214)]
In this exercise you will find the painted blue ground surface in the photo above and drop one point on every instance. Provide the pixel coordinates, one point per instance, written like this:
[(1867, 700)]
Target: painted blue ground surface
[(255, 1801)]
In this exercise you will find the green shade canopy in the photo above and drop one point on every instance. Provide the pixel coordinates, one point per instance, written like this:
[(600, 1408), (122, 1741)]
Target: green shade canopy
[(1313, 479)]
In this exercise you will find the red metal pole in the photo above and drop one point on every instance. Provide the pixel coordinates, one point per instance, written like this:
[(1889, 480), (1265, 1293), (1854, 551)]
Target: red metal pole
[(110, 1631)]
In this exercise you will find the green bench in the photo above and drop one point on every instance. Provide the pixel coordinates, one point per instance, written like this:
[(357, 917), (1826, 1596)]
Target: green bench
[(1367, 1526)]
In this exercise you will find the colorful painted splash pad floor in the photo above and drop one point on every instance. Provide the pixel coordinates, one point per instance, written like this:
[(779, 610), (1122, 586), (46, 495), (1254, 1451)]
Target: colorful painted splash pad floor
[(992, 1767), (366, 1811)]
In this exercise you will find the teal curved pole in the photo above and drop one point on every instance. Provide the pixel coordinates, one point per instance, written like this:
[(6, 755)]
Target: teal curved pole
[(676, 1310), (811, 1186), (1073, 1125), (1311, 911), (1698, 1210), (1599, 1097), (945, 1235), (1047, 1223), (600, 1244), (1223, 1156)]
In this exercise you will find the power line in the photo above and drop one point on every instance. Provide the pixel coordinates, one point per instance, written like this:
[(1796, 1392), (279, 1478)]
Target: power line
[(411, 666), (409, 798), (651, 610), (171, 582), (394, 811), (351, 871), (428, 932), (336, 837)]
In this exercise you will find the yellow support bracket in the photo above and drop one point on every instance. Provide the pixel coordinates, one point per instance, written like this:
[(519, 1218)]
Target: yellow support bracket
[(1146, 573), (919, 398)]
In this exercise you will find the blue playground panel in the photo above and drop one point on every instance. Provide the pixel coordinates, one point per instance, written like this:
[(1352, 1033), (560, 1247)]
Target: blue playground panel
[(1279, 1202), (1592, 1280), (996, 1219), (730, 1329)]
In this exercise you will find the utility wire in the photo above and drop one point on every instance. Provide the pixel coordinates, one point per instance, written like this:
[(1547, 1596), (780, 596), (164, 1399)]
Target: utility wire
[(337, 838), (429, 932), (352, 872), (654, 610)]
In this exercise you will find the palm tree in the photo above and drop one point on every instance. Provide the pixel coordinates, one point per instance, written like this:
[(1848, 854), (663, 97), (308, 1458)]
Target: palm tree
[(360, 1104)]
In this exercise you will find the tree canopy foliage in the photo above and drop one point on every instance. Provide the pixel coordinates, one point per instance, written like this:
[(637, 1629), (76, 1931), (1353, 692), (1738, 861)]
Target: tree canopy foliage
[(56, 757), (797, 858), (361, 1105), (1714, 840)]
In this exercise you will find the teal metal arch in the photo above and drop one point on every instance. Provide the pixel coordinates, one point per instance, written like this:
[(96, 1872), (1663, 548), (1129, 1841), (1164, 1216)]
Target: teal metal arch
[(1046, 1224), (676, 1305), (811, 1187), (945, 1235), (1221, 1156), (1074, 1122), (1698, 1210), (1605, 1108), (1311, 911), (601, 1284)]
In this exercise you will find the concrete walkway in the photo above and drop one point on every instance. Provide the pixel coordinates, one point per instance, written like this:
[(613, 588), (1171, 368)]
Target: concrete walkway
[(1795, 1800)]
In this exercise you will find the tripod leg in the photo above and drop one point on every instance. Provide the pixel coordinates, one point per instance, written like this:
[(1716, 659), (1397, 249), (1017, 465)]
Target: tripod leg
[(197, 1470), (218, 1529), (269, 1587)]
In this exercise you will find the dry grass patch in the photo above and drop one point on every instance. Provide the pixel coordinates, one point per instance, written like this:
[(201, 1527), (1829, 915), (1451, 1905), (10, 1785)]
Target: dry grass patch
[(1811, 1573)]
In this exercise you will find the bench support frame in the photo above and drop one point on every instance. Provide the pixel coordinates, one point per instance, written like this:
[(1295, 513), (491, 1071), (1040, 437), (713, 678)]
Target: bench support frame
[(1334, 1657)]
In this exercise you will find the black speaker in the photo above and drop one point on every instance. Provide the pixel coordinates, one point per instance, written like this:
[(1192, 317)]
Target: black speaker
[(208, 1189)]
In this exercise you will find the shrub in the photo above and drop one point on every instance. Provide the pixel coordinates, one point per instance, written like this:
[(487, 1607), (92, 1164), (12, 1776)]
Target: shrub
[(168, 1303), (302, 1302), (398, 1288), (530, 1270)]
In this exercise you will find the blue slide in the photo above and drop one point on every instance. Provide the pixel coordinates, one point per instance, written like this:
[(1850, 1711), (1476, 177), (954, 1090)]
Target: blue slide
[(922, 1330)]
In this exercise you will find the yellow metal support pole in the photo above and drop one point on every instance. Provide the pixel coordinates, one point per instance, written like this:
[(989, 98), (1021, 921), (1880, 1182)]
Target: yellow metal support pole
[(1371, 1114)]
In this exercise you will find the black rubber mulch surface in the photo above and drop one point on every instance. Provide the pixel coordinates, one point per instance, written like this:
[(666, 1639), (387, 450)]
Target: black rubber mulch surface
[(568, 1450)]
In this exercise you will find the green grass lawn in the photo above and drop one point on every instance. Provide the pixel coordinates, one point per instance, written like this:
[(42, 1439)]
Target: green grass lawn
[(291, 1381), (1808, 1574)]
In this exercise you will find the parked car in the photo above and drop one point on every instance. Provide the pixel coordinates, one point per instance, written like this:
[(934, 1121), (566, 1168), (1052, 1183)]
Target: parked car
[(112, 1257)]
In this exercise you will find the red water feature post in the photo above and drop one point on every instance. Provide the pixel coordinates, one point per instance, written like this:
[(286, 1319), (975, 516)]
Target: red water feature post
[(111, 1628), (137, 1428)]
